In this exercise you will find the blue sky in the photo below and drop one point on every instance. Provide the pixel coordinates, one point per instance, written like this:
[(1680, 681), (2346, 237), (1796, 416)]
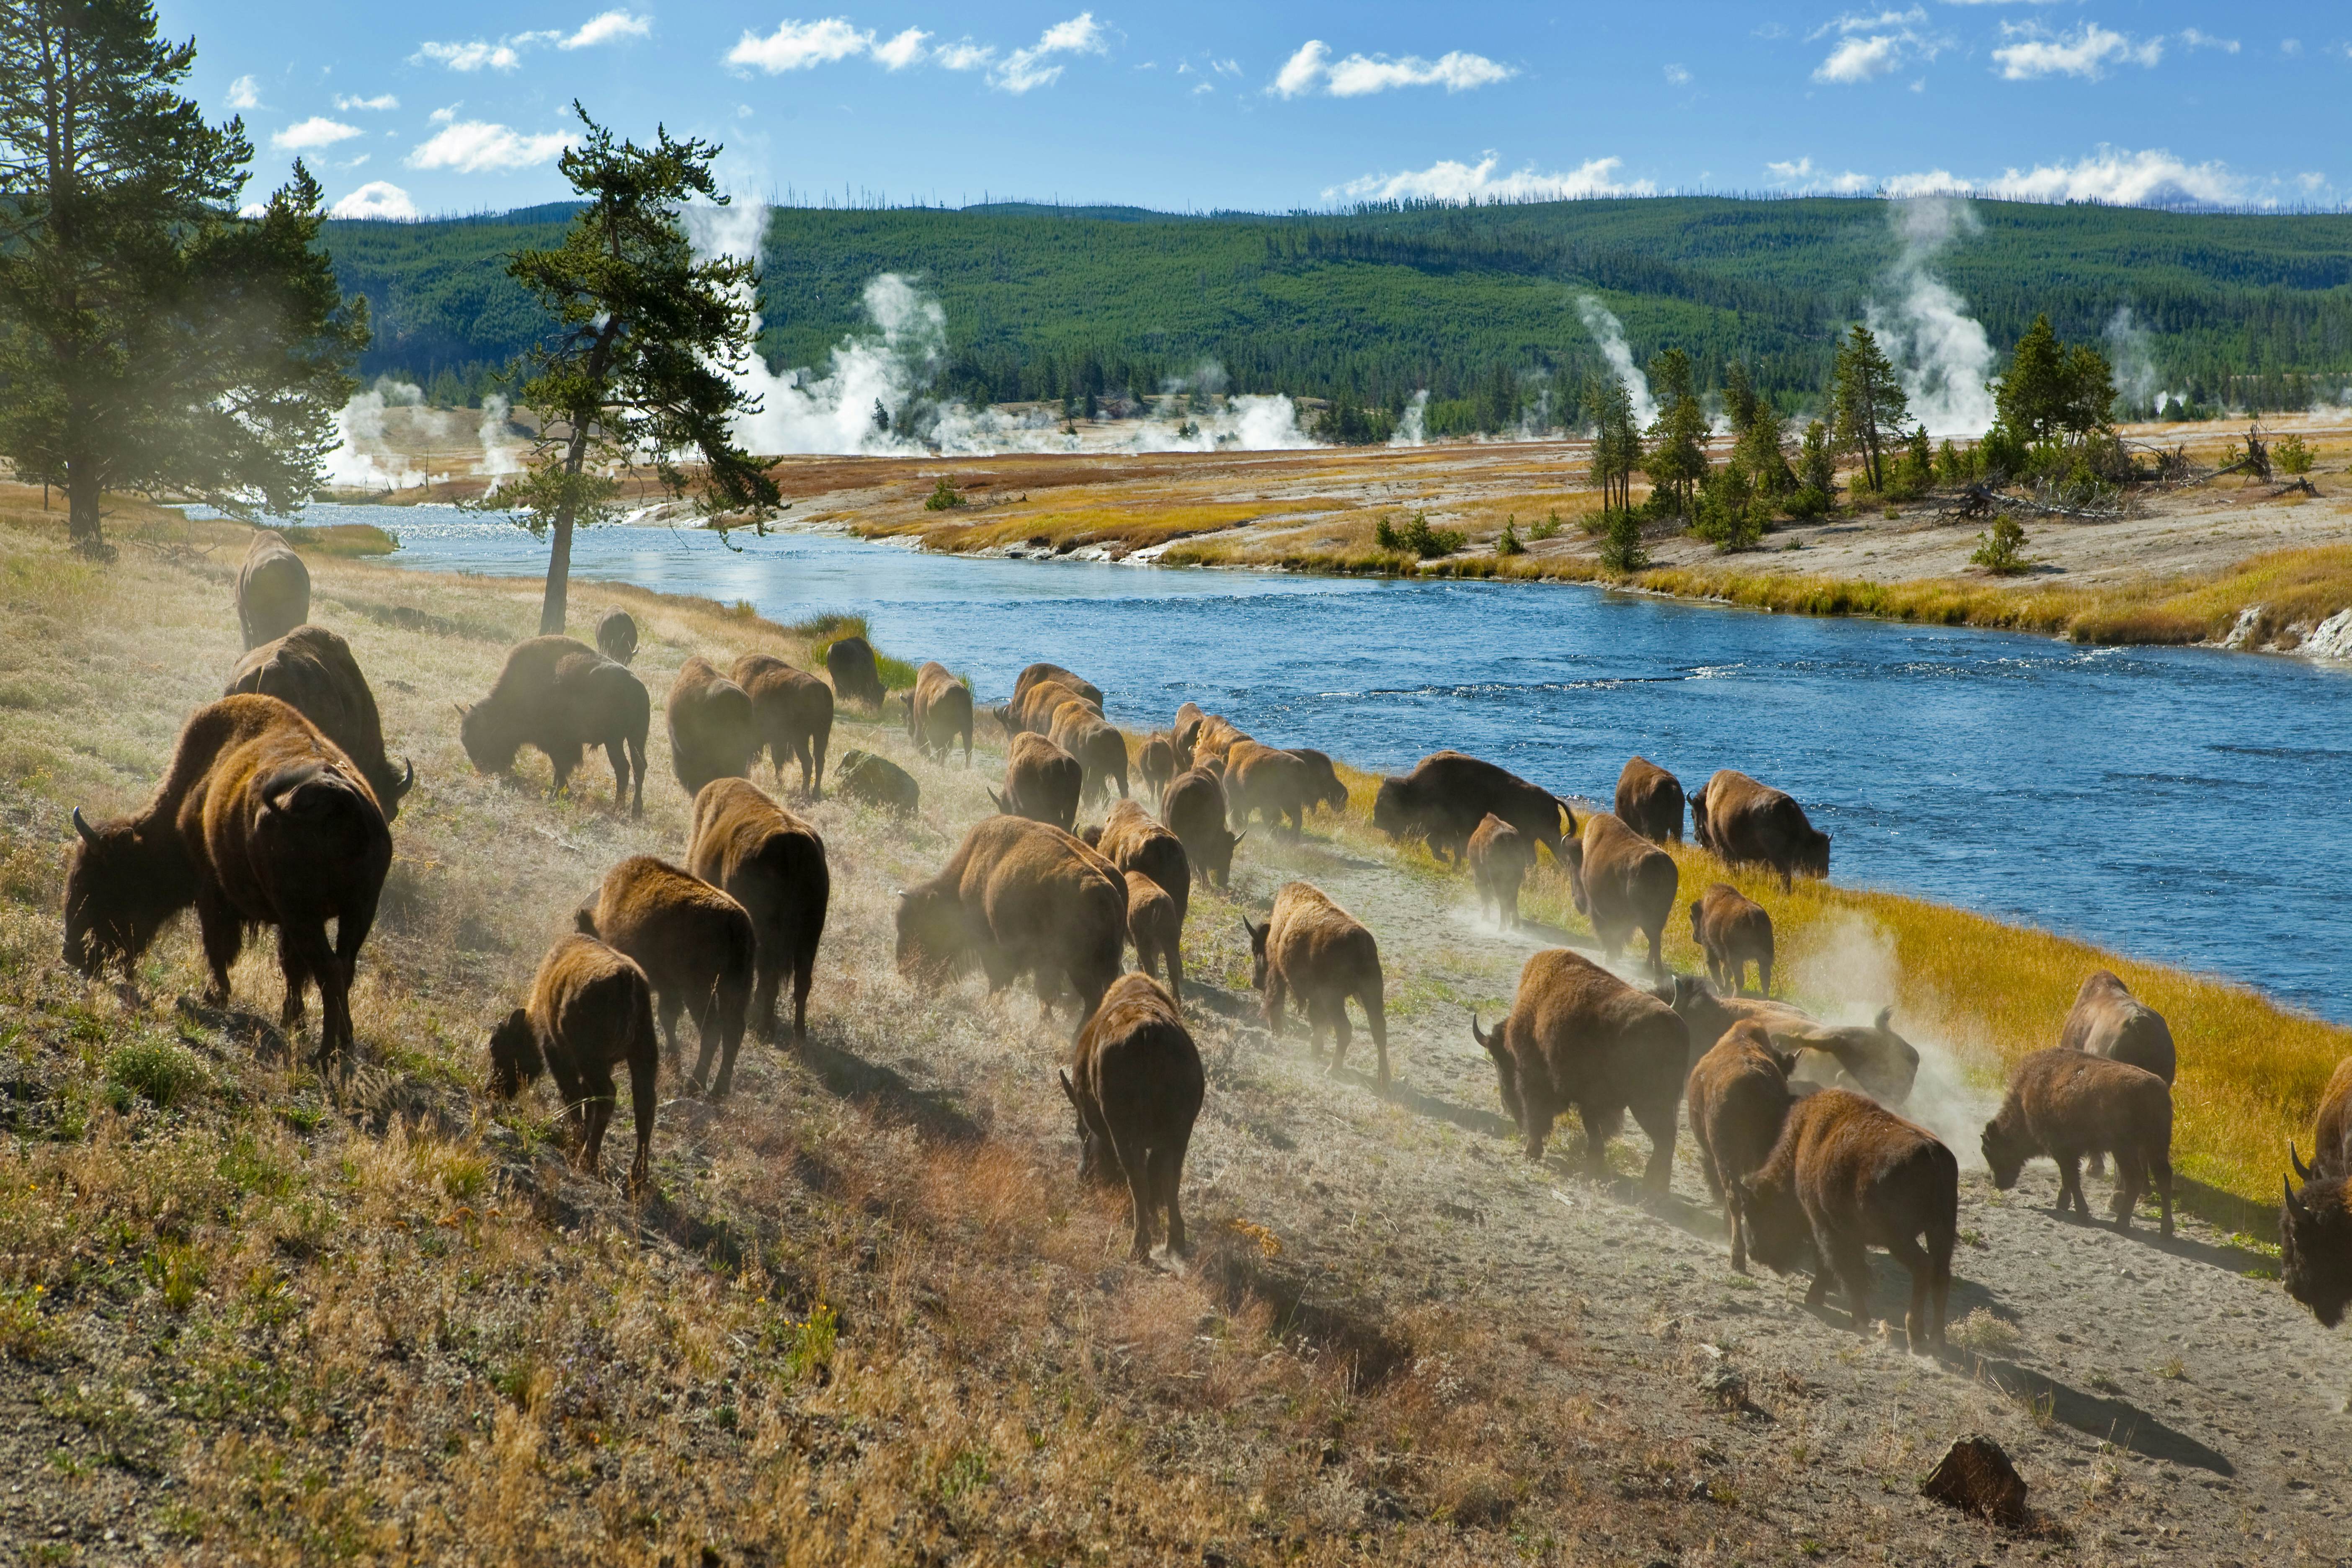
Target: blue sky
[(435, 107)]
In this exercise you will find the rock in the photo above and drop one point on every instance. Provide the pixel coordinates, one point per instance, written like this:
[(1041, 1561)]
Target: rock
[(862, 775), (2332, 638), (2250, 620), (1976, 1476), (1725, 1387)]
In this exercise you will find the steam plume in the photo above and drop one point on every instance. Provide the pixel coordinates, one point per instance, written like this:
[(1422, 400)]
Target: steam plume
[(1412, 430), (1608, 332), (1940, 352)]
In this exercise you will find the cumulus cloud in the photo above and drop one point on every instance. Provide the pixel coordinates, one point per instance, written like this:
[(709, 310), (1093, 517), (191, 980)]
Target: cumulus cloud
[(475, 146), (1025, 68), (1449, 180), (244, 93), (801, 46), (1312, 69), (2089, 52), (1300, 73), (377, 198), (469, 57), (312, 133), (605, 27), (1802, 174), (2112, 175), (1876, 44), (963, 54), (903, 50), (2197, 38), (380, 101)]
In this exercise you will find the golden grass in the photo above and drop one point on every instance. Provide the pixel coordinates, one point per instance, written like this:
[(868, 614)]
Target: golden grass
[(1131, 525)]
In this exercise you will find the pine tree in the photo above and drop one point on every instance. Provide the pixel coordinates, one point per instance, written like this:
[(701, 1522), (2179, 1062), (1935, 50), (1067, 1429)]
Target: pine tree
[(1869, 403), (2032, 397), (1759, 451), (1738, 398), (1817, 466), (1616, 442), (1677, 456)]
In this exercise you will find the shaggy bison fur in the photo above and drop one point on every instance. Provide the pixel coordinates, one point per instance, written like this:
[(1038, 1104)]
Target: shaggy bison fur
[(1323, 783), (1131, 840), (2065, 1104), (1037, 674), (1749, 823), (2108, 1021), (697, 947), (311, 670), (1739, 1096), (590, 1010), (561, 697), (1447, 795), (794, 709), (1136, 1083), (1078, 729), (1264, 782), (1650, 801), (771, 863), (1734, 932), (1020, 897), (1626, 883), (617, 636), (2315, 1224), (713, 733), (273, 589), (1156, 929), (1155, 762), (1313, 950)]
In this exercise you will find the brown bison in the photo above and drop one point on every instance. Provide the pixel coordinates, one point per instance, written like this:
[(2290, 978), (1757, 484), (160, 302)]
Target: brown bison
[(617, 636), (1323, 784), (1870, 1059), (1182, 731), (260, 820), (795, 714), (1578, 1035), (771, 863), (2063, 1104), (591, 1009), (1733, 931), (1500, 860), (2315, 1225), (1032, 709), (1135, 1080), (1447, 795), (1749, 823), (1101, 750), (1313, 950), (273, 589), (1650, 801), (1155, 762), (311, 670), (939, 710), (1214, 736), (1037, 674), (1264, 782), (2108, 1021), (1131, 840), (713, 732), (1739, 1096), (878, 781), (1156, 927), (561, 697), (857, 674), (1042, 782), (1194, 810), (697, 947), (1846, 1175), (1624, 883), (1020, 897)]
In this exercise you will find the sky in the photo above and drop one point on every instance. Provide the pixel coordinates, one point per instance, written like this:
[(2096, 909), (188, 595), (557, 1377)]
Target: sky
[(433, 108)]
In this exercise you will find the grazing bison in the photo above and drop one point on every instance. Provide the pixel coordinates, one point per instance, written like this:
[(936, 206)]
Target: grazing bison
[(1578, 1035), (1846, 1175), (260, 820), (857, 674), (1312, 949), (1155, 926), (273, 589), (2065, 1104), (1264, 782), (1042, 782), (713, 732), (795, 715), (2315, 1225), (1447, 795), (1323, 784), (1136, 1082), (1500, 860), (2108, 1021), (878, 781), (1131, 840), (1020, 897), (1037, 674), (311, 670), (1733, 931), (1739, 1096), (1625, 884), (1155, 761), (1650, 801), (697, 947), (1194, 810), (1749, 823), (617, 636), (591, 1009), (562, 696), (1101, 750), (771, 863), (939, 710)]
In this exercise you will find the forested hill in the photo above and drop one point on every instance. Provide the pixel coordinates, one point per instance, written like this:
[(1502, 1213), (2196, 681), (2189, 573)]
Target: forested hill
[(1476, 304)]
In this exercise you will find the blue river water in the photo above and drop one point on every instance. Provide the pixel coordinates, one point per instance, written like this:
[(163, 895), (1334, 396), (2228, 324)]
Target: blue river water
[(2182, 805)]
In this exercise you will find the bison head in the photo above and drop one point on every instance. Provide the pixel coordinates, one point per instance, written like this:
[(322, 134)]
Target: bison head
[(2316, 1247), (931, 938), (1389, 813), (1813, 857), (1098, 1163), (1217, 855), (1258, 952), (490, 745), (1572, 855), (1507, 1067), (1774, 1221), (2005, 1150), (124, 881), (1698, 819), (515, 1058)]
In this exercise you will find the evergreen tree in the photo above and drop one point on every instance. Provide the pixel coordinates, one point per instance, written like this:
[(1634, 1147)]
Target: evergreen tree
[(2032, 397), (1616, 442), (1677, 456), (1739, 397), (1758, 452), (1869, 403), (1817, 467)]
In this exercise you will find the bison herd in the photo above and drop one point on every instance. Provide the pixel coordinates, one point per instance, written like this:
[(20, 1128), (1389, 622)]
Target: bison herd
[(277, 806)]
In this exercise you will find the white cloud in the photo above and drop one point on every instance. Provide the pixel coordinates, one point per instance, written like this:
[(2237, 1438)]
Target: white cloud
[(244, 93), (963, 54), (380, 101), (1359, 75), (442, 116), (1677, 76), (1450, 181), (801, 46), (2290, 45), (471, 56), (2312, 182), (2088, 53), (1803, 175), (2196, 38), (1025, 68), (2112, 175), (377, 198), (1302, 71), (798, 46), (1873, 45), (1860, 59), (475, 146), (314, 132), (1225, 67), (605, 27), (899, 52)]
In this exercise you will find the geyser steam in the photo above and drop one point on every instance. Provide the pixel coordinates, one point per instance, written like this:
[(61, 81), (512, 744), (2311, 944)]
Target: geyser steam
[(1940, 352), (1608, 332)]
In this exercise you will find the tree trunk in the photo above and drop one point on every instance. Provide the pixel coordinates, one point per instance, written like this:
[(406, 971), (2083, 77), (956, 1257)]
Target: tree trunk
[(559, 555), (84, 526)]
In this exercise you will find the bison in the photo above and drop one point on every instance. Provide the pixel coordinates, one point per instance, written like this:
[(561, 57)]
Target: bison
[(1078, 729), (1214, 736), (1136, 1083), (260, 820), (1749, 823), (939, 711), (591, 1009), (1020, 897), (2063, 1104), (1131, 840), (1181, 732), (1624, 883), (1846, 1175), (311, 670), (617, 636), (1312, 949), (713, 731), (1155, 762), (1870, 1058), (878, 781), (1733, 931), (1447, 795), (1194, 810), (857, 674), (1500, 860), (1738, 1095), (1650, 801), (1032, 710), (795, 715), (1042, 782), (562, 696), (771, 863), (273, 589), (1155, 925), (2315, 1225), (1265, 782), (1037, 674), (1324, 786), (1578, 1035), (2108, 1021), (697, 947)]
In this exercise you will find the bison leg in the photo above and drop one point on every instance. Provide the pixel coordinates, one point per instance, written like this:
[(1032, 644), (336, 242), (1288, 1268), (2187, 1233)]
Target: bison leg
[(1908, 1253), (1764, 975), (1376, 1019), (1275, 1005), (2131, 1181), (803, 971), (1658, 1176), (1851, 1264), (2069, 1184), (1134, 1162), (1336, 1009), (668, 1008), (1657, 935), (1731, 1218), (2160, 1164), (295, 967), (645, 1067), (224, 938), (561, 761), (768, 980), (1174, 962), (1599, 1126), (1167, 1175), (599, 1114), (1536, 1111)]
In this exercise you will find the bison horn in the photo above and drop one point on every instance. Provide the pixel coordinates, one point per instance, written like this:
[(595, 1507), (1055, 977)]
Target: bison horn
[(1884, 1014), (408, 782), (89, 834), (1068, 1087), (1475, 1032), (2302, 1171), (2293, 1203)]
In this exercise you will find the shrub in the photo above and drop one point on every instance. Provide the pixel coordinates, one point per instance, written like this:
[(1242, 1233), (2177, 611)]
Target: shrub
[(1417, 537), (1807, 503), (2001, 552), (2293, 455), (159, 1071), (1547, 529), (1621, 551), (943, 497), (1509, 543)]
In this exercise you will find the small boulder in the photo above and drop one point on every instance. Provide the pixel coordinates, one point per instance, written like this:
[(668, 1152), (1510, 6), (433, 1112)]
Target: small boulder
[(1976, 1476), (878, 780)]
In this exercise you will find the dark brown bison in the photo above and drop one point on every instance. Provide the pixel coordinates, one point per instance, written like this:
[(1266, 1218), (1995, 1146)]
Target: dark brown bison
[(1155, 762), (1131, 840), (697, 947), (1500, 860), (311, 670), (1871, 1059), (2063, 1104), (795, 714), (1020, 897), (1032, 710), (1313, 950), (1323, 783), (713, 732), (1846, 1175), (1264, 782), (1194, 810), (617, 636), (1447, 795), (1749, 823), (2108, 1021), (771, 863), (1042, 782), (939, 710), (2315, 1225), (857, 674), (1739, 1096), (1101, 750), (1733, 931), (260, 820), (1650, 801), (1135, 1080), (878, 781), (1037, 674), (561, 697), (591, 1009), (273, 589), (1625, 884), (1157, 930), (1578, 1035)]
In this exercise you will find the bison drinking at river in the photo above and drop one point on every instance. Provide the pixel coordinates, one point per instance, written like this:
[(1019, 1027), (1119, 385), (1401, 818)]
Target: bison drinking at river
[(561, 697), (1749, 823), (273, 589), (1447, 795), (311, 670)]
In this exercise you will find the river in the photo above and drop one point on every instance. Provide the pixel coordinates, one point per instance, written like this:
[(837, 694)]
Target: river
[(2180, 806)]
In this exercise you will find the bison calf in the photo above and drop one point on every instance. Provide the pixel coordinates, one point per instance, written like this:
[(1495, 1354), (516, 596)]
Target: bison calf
[(2065, 1104), (1625, 884), (1739, 1096), (771, 863), (1734, 932), (591, 1009), (1312, 949), (696, 945), (1500, 860), (1155, 762), (561, 697), (617, 636), (1156, 929), (1136, 1083)]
